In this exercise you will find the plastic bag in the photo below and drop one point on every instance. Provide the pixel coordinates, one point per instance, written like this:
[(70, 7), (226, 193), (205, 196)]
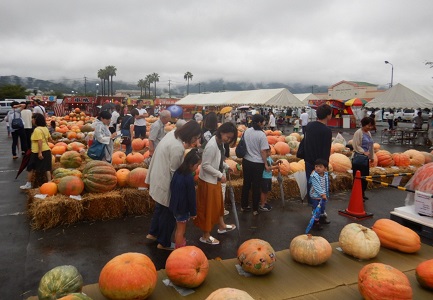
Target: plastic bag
[(339, 139)]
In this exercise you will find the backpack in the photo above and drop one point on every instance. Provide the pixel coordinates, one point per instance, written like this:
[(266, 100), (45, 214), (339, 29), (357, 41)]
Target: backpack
[(17, 123)]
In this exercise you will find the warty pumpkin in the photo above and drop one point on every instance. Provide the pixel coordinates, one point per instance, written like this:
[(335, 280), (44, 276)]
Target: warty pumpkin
[(401, 159), (380, 281), (394, 236), (70, 185), (256, 256), (421, 174), (416, 157), (59, 282), (99, 176), (128, 276), (310, 250), (187, 266), (384, 158), (359, 241), (340, 162)]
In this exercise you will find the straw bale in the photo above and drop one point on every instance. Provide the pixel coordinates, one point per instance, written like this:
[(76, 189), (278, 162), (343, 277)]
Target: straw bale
[(290, 188), (237, 189), (289, 158), (54, 211), (137, 202), (341, 182), (103, 206)]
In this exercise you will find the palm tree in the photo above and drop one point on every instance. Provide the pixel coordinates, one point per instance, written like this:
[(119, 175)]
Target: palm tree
[(142, 84), (188, 76), (111, 70), (149, 81), (101, 75), (155, 79)]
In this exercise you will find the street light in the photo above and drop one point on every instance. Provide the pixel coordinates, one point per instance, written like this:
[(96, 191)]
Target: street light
[(392, 72), (97, 89)]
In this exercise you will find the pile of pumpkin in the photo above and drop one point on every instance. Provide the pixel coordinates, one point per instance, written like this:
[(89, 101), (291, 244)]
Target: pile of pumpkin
[(134, 276)]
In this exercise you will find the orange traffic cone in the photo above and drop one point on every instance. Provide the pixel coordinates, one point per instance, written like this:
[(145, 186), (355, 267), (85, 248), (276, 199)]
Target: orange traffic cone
[(356, 203)]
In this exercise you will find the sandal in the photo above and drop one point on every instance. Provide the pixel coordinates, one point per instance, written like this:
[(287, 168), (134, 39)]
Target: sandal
[(210, 240), (151, 237), (227, 229), (171, 248)]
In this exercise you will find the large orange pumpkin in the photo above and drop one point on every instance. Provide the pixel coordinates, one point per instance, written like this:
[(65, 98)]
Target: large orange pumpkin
[(71, 159), (421, 174), (384, 158), (187, 267), (256, 256), (70, 185), (137, 144), (128, 276), (48, 188), (76, 146), (310, 250), (416, 157), (122, 177), (401, 159), (337, 148), (99, 176), (424, 274), (118, 158), (58, 150), (296, 167), (136, 178), (285, 167), (340, 162), (282, 148), (229, 293), (134, 158), (380, 281), (407, 240), (272, 140)]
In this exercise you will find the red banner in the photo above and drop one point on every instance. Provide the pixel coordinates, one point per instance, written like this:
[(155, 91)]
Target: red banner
[(79, 100)]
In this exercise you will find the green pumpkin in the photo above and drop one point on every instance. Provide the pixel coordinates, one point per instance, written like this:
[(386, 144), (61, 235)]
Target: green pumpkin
[(59, 282)]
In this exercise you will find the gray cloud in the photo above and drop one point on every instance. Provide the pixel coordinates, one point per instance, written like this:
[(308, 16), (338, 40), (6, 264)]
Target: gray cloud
[(311, 42)]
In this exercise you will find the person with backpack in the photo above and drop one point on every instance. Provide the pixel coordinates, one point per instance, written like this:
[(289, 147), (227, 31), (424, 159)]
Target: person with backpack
[(127, 129), (16, 125)]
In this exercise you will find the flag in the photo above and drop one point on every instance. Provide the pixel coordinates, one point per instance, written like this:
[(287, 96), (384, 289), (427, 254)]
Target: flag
[(59, 109)]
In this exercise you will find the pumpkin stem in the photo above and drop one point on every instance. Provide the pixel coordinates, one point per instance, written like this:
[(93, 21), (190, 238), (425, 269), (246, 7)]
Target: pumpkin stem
[(309, 236)]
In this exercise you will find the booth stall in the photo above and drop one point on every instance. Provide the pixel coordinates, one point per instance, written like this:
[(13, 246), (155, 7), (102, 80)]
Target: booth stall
[(339, 111)]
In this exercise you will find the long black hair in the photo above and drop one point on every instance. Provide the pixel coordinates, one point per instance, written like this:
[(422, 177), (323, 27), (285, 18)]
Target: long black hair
[(228, 127), (256, 119), (191, 158)]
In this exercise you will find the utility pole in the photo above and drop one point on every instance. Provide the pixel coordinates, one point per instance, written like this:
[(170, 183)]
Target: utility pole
[(85, 85), (199, 84), (169, 92)]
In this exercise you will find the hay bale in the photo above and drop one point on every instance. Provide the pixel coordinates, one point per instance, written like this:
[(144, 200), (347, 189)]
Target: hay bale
[(54, 211), (103, 206), (290, 188), (339, 181), (137, 202)]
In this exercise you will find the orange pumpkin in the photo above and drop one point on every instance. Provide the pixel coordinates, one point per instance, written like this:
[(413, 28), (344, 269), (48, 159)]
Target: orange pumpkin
[(234, 166), (75, 296), (421, 174), (71, 159), (51, 145), (310, 250), (256, 256), (424, 274), (118, 158), (296, 167), (146, 143), (134, 158), (373, 163), (128, 276), (122, 177), (76, 146), (137, 144), (427, 156), (48, 188), (136, 178), (187, 267), (416, 157), (337, 148), (401, 159), (272, 140), (58, 150), (376, 147), (380, 281), (285, 168), (407, 240), (384, 158), (282, 148), (340, 162), (71, 135), (273, 151), (70, 185)]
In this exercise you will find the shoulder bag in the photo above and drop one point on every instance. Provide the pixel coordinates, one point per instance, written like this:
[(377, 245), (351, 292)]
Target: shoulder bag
[(241, 148), (97, 150)]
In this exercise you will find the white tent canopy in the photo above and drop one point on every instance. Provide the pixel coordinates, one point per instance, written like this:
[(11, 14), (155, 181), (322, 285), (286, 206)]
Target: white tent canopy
[(306, 97), (404, 96), (269, 97)]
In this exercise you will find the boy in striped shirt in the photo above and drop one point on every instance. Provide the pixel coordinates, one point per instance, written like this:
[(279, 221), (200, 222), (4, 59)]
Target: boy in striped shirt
[(319, 191)]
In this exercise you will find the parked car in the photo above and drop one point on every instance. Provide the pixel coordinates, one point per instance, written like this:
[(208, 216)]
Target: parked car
[(398, 114)]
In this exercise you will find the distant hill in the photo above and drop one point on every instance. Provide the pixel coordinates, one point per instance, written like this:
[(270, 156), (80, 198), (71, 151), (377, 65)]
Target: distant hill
[(66, 86)]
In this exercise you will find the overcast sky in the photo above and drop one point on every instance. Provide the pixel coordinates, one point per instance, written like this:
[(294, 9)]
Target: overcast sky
[(288, 41)]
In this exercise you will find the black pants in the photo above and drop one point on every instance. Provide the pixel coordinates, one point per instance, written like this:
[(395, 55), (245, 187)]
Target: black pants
[(361, 164), (253, 173), (19, 133), (29, 132), (162, 224)]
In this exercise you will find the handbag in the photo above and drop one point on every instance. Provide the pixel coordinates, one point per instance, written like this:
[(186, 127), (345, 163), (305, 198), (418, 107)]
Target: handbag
[(97, 150), (360, 159), (17, 123), (241, 148)]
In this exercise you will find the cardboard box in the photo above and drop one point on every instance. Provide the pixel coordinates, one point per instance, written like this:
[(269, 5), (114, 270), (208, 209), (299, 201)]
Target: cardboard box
[(424, 203)]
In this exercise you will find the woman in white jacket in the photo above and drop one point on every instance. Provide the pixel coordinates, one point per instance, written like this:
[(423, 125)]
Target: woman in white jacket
[(210, 208)]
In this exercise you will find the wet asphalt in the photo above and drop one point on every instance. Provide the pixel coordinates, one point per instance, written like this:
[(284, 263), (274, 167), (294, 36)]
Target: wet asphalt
[(25, 254)]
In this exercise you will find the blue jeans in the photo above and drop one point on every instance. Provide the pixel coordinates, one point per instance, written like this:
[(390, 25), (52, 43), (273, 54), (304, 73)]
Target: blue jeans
[(126, 132), (140, 132), (322, 207), (162, 224)]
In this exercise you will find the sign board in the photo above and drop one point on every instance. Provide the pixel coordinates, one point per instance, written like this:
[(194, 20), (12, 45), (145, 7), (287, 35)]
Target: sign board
[(42, 98), (79, 100), (424, 203)]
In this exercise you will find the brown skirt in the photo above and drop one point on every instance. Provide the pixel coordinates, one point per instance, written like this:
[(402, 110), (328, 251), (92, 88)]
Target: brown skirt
[(209, 205)]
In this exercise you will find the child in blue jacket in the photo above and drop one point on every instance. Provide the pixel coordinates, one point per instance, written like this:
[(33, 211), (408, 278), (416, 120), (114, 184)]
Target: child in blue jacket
[(319, 191)]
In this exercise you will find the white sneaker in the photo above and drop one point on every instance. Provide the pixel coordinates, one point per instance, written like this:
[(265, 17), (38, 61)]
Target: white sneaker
[(27, 186)]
